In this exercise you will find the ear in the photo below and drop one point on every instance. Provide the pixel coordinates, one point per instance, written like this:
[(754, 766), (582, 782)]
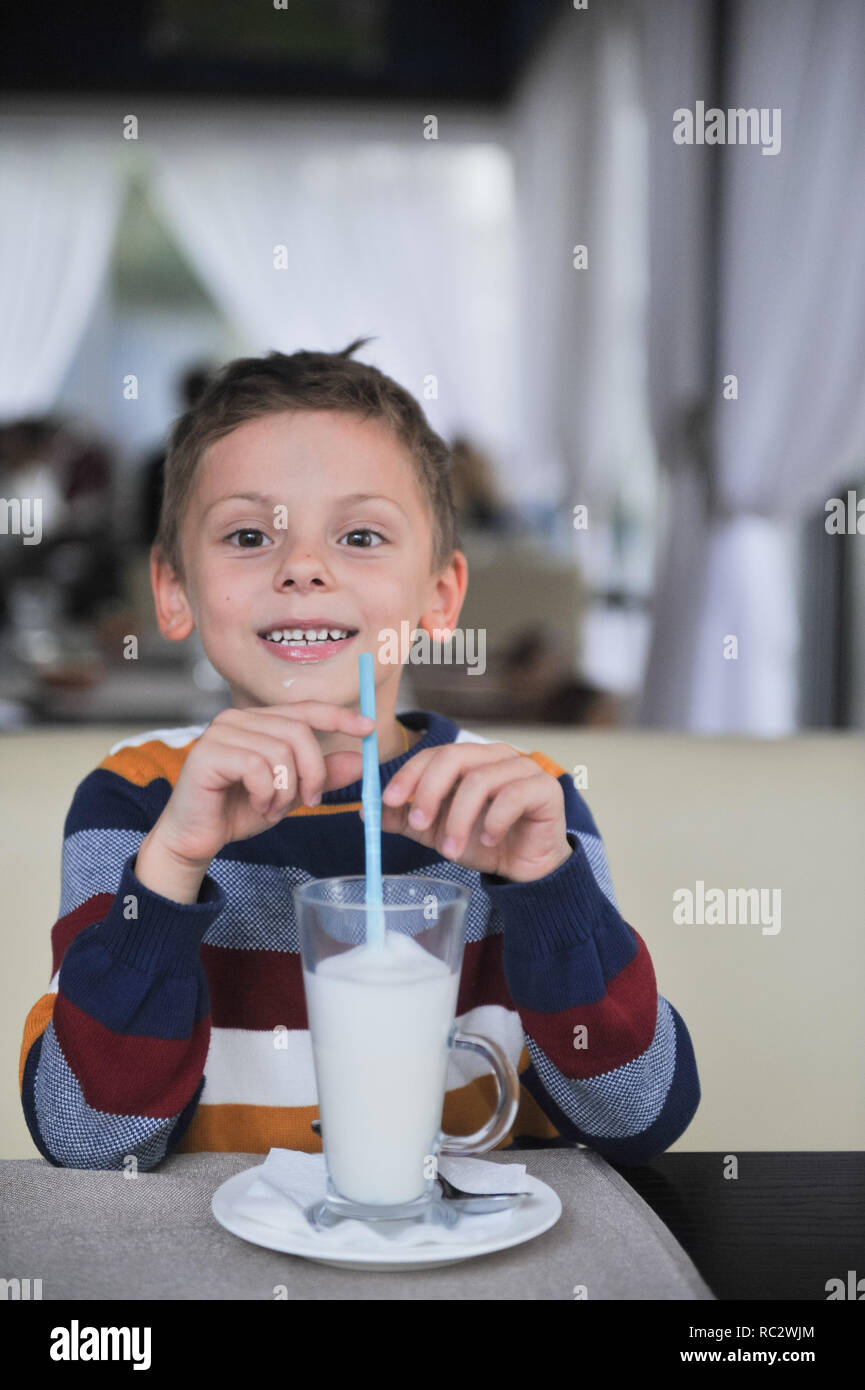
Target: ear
[(173, 613), (446, 599)]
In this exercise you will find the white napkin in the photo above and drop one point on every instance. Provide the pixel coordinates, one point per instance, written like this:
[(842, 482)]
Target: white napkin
[(289, 1180)]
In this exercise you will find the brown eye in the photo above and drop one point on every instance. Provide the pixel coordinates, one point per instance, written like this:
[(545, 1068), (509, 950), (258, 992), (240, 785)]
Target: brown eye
[(245, 543), (365, 531)]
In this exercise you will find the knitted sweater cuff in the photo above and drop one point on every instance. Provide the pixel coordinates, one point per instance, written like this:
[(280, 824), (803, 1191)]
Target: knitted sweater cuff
[(551, 913), (155, 934)]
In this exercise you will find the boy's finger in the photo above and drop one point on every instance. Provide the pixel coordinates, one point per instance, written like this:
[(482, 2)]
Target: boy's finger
[(403, 783), (436, 778), (316, 714), (287, 746), (474, 790), (510, 804), (394, 821)]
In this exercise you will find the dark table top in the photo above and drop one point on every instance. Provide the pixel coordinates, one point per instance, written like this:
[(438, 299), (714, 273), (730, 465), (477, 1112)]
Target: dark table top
[(779, 1230)]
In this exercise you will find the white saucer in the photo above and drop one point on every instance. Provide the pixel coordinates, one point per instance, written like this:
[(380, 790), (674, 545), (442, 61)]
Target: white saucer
[(531, 1218)]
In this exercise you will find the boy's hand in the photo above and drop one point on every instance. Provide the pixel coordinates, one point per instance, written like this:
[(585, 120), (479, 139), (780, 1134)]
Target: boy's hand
[(226, 789), (484, 805)]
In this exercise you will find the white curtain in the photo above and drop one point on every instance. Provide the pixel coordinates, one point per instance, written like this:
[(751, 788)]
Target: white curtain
[(791, 307), (792, 328), (391, 239), (577, 132), (59, 200), (675, 47)]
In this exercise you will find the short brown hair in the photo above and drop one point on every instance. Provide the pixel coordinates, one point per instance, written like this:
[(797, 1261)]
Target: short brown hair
[(252, 386)]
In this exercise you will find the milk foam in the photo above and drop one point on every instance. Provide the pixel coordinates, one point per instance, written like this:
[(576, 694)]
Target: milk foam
[(400, 960)]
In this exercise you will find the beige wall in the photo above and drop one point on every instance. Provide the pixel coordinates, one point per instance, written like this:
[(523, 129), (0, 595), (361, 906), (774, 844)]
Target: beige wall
[(776, 1019)]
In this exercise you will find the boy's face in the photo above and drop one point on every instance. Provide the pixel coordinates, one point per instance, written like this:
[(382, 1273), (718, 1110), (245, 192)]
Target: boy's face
[(333, 534)]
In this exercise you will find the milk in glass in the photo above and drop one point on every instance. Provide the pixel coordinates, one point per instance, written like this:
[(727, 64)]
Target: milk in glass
[(380, 1016)]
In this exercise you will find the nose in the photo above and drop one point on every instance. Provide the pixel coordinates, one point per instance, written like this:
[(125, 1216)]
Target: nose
[(301, 568)]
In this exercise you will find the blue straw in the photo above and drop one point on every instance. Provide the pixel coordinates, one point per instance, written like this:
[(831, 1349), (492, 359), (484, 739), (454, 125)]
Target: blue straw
[(371, 800)]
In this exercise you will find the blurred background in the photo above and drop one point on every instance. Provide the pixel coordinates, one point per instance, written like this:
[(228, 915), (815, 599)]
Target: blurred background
[(649, 357)]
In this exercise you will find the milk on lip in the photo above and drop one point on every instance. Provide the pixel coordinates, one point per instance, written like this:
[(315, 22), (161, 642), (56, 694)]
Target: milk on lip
[(380, 1017)]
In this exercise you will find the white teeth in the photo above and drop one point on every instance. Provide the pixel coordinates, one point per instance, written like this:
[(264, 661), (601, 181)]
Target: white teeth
[(308, 636)]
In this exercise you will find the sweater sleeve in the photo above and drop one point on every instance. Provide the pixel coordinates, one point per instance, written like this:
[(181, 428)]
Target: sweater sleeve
[(112, 1059), (612, 1063)]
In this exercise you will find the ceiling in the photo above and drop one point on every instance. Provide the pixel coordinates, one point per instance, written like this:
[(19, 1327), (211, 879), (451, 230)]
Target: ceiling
[(462, 50)]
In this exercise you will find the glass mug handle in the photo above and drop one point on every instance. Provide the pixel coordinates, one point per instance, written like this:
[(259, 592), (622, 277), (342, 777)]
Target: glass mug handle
[(507, 1104)]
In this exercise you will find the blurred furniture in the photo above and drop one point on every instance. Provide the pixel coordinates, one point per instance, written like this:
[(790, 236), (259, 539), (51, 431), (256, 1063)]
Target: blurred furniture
[(53, 671), (515, 586), (517, 593)]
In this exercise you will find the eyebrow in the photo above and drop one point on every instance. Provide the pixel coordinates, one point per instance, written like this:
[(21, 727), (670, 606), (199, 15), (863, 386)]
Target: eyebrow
[(351, 499), (239, 496)]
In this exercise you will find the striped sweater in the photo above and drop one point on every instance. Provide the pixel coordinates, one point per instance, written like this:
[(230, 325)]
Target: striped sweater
[(156, 1034)]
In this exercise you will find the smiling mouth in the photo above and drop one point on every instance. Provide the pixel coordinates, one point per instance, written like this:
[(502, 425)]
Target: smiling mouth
[(309, 645), (307, 637)]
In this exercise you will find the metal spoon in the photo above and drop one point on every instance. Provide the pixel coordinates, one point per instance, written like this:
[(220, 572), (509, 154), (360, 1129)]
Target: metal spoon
[(477, 1202)]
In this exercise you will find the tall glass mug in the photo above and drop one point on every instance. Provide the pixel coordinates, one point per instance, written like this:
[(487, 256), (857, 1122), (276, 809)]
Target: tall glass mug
[(382, 1025)]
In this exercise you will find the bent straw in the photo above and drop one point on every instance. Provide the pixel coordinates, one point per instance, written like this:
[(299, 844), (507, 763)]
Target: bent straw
[(371, 801)]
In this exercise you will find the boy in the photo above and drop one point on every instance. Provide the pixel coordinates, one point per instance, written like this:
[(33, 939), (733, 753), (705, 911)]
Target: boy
[(176, 951)]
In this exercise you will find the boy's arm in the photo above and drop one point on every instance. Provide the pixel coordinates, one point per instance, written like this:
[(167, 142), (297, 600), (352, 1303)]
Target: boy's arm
[(612, 1061), (112, 1059)]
